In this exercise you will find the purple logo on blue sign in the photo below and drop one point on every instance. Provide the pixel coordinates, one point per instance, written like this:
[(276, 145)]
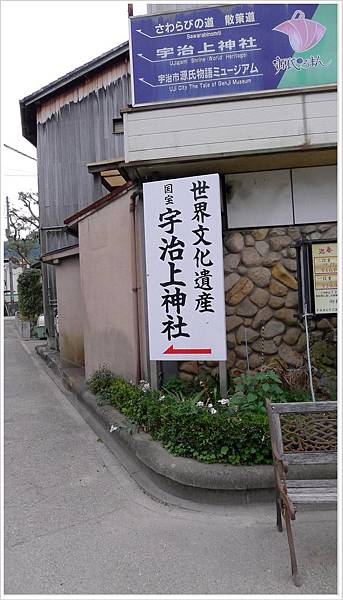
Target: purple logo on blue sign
[(303, 33)]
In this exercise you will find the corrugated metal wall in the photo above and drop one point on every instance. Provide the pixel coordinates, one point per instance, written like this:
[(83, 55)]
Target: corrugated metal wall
[(72, 131)]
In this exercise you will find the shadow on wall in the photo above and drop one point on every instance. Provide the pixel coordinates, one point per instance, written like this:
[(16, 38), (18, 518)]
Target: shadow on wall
[(72, 348)]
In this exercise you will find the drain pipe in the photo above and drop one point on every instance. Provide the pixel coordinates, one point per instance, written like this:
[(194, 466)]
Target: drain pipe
[(135, 288)]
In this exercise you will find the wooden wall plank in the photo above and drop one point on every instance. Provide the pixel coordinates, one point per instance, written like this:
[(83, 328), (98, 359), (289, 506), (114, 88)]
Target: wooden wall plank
[(263, 144), (211, 136), (67, 142), (216, 120), (257, 124), (232, 104)]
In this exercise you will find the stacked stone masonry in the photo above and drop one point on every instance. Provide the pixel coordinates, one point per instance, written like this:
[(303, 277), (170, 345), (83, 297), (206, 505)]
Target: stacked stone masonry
[(262, 299)]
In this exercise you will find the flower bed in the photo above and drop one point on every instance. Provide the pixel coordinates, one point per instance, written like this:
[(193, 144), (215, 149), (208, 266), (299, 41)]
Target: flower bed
[(191, 420)]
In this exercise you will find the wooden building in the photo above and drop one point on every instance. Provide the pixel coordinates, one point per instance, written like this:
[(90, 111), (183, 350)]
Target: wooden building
[(73, 123)]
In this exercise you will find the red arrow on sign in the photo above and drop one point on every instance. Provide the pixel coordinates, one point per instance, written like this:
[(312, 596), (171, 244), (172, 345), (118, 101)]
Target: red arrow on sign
[(172, 350)]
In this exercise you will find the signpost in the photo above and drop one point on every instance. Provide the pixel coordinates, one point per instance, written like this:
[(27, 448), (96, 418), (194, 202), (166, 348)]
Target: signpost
[(229, 50), (317, 285), (324, 264), (184, 267), (317, 276)]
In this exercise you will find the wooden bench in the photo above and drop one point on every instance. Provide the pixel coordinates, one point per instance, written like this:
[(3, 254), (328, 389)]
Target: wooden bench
[(302, 433)]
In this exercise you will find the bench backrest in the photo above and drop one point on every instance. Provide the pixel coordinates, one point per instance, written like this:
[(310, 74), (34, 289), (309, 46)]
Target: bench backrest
[(304, 432)]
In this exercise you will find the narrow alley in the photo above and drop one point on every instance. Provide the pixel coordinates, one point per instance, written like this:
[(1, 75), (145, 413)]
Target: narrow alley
[(76, 521)]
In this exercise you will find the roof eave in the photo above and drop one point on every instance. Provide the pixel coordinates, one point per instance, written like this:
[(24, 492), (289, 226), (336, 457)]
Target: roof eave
[(72, 221), (29, 104)]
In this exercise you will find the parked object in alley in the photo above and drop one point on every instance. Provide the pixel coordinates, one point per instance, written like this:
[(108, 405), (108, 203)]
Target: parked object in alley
[(39, 329), (301, 434), (40, 321)]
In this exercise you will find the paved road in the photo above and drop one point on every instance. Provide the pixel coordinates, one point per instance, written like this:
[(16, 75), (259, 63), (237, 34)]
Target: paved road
[(77, 523)]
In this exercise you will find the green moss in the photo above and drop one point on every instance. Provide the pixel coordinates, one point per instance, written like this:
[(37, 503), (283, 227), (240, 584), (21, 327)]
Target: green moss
[(324, 357)]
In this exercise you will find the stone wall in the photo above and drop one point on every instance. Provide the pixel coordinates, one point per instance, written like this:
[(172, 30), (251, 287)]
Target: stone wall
[(262, 299)]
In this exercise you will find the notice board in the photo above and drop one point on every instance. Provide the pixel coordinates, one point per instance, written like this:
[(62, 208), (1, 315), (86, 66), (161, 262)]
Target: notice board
[(231, 50)]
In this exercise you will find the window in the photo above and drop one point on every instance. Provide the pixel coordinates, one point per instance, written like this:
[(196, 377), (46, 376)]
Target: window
[(118, 126)]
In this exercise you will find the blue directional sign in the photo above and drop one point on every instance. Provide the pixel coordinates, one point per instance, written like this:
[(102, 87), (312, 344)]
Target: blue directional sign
[(234, 49)]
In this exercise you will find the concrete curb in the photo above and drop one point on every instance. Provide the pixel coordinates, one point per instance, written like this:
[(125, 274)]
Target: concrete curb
[(183, 477)]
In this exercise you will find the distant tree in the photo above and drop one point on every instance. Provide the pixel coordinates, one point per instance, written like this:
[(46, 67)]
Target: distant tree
[(30, 298), (24, 226)]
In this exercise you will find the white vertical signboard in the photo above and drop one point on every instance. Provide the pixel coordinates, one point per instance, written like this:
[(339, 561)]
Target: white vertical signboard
[(184, 263)]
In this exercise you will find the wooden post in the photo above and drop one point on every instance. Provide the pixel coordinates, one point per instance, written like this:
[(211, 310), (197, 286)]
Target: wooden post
[(97, 187), (223, 378), (154, 374), (146, 366)]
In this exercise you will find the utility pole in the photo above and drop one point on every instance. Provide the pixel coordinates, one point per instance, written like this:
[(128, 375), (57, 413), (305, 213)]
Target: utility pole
[(10, 266)]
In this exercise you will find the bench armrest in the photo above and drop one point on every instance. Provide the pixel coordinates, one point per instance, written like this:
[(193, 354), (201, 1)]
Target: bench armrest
[(278, 460), (281, 470)]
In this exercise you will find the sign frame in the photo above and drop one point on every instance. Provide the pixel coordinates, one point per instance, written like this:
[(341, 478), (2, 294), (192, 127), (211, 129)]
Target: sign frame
[(306, 291), (202, 336)]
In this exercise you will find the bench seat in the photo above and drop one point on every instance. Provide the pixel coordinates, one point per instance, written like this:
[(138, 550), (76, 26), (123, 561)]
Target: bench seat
[(312, 491), (301, 433)]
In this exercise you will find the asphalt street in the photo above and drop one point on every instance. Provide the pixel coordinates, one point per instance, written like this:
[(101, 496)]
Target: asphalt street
[(76, 522)]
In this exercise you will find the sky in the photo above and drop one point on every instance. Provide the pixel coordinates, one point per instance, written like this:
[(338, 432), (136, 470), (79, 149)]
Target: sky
[(41, 41)]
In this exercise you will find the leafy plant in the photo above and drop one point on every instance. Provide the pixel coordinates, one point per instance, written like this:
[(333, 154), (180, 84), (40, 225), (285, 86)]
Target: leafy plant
[(250, 391), (100, 382), (176, 384), (189, 424), (30, 296)]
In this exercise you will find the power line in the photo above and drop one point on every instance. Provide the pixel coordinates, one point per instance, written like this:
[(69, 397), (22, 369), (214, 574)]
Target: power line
[(19, 152), (14, 170)]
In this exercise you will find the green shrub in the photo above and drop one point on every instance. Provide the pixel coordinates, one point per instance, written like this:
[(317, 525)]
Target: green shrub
[(185, 386), (190, 419), (296, 395), (221, 437), (30, 296), (100, 383), (250, 392), (202, 381), (188, 424)]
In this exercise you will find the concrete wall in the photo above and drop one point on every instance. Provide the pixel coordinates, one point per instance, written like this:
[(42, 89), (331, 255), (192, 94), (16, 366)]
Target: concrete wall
[(282, 197), (107, 278), (236, 126), (70, 310)]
